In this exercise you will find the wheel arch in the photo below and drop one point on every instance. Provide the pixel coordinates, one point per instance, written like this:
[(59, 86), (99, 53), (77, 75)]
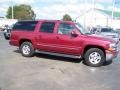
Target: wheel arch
[(24, 40), (93, 46)]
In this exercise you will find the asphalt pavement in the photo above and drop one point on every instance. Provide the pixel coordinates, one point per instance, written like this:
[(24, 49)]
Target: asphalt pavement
[(45, 72)]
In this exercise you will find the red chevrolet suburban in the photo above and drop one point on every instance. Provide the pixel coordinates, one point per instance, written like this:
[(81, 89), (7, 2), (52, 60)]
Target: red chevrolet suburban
[(62, 38)]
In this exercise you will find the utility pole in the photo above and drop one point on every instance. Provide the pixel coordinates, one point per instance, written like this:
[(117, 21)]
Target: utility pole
[(113, 8), (93, 4), (12, 11), (93, 1), (84, 14)]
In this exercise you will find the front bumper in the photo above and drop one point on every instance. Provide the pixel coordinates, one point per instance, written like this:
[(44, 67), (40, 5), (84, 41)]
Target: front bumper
[(111, 55), (117, 40)]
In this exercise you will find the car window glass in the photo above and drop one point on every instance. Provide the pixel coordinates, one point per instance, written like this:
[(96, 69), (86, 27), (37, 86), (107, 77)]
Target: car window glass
[(25, 25), (65, 28), (47, 27), (106, 30)]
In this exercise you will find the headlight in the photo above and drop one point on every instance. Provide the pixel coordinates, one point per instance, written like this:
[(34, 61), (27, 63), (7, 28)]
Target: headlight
[(112, 47)]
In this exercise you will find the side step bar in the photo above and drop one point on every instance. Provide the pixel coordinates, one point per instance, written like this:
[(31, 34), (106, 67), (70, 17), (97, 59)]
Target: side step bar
[(58, 54)]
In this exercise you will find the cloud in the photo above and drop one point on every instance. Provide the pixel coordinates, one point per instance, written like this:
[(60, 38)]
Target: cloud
[(115, 9), (55, 9), (65, 1), (3, 1), (23, 1), (4, 4), (3, 9), (17, 1), (104, 1)]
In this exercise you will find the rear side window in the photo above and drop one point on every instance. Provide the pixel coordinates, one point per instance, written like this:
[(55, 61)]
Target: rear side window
[(47, 27), (25, 25)]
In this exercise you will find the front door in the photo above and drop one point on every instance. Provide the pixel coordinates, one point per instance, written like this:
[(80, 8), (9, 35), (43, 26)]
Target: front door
[(68, 44)]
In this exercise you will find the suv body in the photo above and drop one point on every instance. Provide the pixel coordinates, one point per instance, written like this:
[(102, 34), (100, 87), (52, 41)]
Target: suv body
[(62, 38)]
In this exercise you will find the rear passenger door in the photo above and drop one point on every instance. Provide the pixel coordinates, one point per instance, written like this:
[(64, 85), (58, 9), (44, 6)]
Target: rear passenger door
[(47, 40)]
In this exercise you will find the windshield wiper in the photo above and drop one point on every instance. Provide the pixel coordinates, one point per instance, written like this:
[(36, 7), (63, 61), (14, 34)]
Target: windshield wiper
[(88, 33)]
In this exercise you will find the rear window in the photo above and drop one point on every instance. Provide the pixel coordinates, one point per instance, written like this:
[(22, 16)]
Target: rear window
[(25, 25)]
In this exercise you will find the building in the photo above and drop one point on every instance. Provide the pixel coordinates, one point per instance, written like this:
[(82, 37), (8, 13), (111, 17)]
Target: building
[(4, 21), (94, 17)]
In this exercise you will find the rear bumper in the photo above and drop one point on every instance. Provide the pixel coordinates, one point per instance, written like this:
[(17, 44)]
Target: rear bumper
[(14, 43), (111, 55)]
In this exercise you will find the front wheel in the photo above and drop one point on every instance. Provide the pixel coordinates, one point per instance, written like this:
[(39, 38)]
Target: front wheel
[(94, 57), (27, 49)]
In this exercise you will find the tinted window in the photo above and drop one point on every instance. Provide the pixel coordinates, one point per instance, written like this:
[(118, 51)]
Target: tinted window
[(106, 30), (25, 25), (65, 28), (47, 27)]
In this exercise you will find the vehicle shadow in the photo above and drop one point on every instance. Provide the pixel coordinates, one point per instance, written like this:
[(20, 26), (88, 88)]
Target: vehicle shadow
[(17, 50), (59, 58), (107, 63), (52, 57)]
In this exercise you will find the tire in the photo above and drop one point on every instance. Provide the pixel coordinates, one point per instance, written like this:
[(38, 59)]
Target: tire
[(94, 57), (27, 49)]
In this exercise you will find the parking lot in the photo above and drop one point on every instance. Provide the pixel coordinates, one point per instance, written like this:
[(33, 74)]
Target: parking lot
[(45, 72)]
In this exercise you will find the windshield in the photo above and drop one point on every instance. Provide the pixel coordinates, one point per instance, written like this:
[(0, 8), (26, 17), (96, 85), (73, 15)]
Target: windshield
[(81, 29), (118, 31), (107, 30)]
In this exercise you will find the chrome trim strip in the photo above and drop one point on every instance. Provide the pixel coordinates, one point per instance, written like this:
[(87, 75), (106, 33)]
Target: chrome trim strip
[(58, 54), (60, 46)]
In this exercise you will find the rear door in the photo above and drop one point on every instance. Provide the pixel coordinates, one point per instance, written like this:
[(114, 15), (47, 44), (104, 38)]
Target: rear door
[(47, 37)]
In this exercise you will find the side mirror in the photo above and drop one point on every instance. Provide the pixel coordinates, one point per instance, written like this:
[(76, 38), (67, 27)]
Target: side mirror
[(74, 33)]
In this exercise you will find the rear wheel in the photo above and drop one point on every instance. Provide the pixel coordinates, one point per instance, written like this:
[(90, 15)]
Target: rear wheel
[(94, 57), (27, 49)]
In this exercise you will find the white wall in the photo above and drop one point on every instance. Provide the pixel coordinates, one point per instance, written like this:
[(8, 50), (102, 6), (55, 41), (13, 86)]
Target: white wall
[(94, 18), (116, 24), (7, 22)]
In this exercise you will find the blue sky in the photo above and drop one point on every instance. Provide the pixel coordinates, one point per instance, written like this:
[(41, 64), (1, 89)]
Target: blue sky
[(55, 9)]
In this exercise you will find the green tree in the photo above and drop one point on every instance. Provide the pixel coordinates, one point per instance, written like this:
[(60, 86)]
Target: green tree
[(21, 12), (67, 17)]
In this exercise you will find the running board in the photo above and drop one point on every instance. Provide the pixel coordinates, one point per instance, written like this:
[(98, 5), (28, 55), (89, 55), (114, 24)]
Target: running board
[(58, 54)]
